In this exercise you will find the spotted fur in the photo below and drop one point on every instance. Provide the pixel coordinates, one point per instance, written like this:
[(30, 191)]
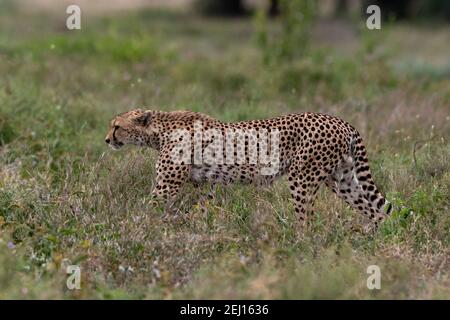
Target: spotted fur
[(314, 149)]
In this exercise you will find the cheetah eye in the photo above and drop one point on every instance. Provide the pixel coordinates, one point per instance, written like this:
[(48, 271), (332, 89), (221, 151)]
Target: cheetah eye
[(116, 127)]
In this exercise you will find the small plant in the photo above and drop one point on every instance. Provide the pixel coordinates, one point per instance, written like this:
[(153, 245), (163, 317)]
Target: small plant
[(7, 133)]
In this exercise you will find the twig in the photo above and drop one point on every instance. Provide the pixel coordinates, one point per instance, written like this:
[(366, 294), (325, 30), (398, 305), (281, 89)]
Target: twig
[(419, 144)]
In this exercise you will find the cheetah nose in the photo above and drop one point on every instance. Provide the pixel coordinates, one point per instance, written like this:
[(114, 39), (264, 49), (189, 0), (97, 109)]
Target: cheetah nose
[(107, 140)]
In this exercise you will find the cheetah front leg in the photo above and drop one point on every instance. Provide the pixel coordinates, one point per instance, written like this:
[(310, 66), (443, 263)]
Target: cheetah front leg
[(170, 178)]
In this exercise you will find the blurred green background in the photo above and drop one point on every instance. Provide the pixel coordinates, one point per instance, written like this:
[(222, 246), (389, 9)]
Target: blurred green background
[(66, 199)]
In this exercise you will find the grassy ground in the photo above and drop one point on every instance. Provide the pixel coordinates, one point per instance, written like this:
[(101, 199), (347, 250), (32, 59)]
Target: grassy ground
[(66, 199)]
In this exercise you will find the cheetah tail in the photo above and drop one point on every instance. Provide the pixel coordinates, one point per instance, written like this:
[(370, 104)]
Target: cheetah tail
[(363, 175)]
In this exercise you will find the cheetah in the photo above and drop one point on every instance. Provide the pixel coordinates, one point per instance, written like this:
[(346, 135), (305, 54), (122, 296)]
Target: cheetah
[(312, 149)]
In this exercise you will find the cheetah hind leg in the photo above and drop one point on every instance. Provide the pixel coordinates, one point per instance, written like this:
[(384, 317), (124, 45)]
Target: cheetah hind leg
[(303, 186), (360, 195)]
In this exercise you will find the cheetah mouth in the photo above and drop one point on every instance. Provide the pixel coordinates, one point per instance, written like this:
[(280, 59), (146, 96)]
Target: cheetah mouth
[(116, 145)]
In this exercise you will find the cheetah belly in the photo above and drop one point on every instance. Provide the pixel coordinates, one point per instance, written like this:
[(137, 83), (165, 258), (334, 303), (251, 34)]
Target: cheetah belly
[(225, 174)]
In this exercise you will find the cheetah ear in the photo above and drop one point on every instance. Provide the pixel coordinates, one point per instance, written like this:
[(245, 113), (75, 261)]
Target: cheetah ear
[(144, 119)]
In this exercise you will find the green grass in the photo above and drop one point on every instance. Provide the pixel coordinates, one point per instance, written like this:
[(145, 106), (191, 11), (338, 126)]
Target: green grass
[(65, 198)]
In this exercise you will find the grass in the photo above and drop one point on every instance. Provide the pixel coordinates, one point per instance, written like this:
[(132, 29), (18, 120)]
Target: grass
[(66, 199)]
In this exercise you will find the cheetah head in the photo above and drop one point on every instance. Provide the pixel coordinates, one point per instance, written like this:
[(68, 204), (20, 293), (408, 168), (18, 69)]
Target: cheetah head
[(131, 127)]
